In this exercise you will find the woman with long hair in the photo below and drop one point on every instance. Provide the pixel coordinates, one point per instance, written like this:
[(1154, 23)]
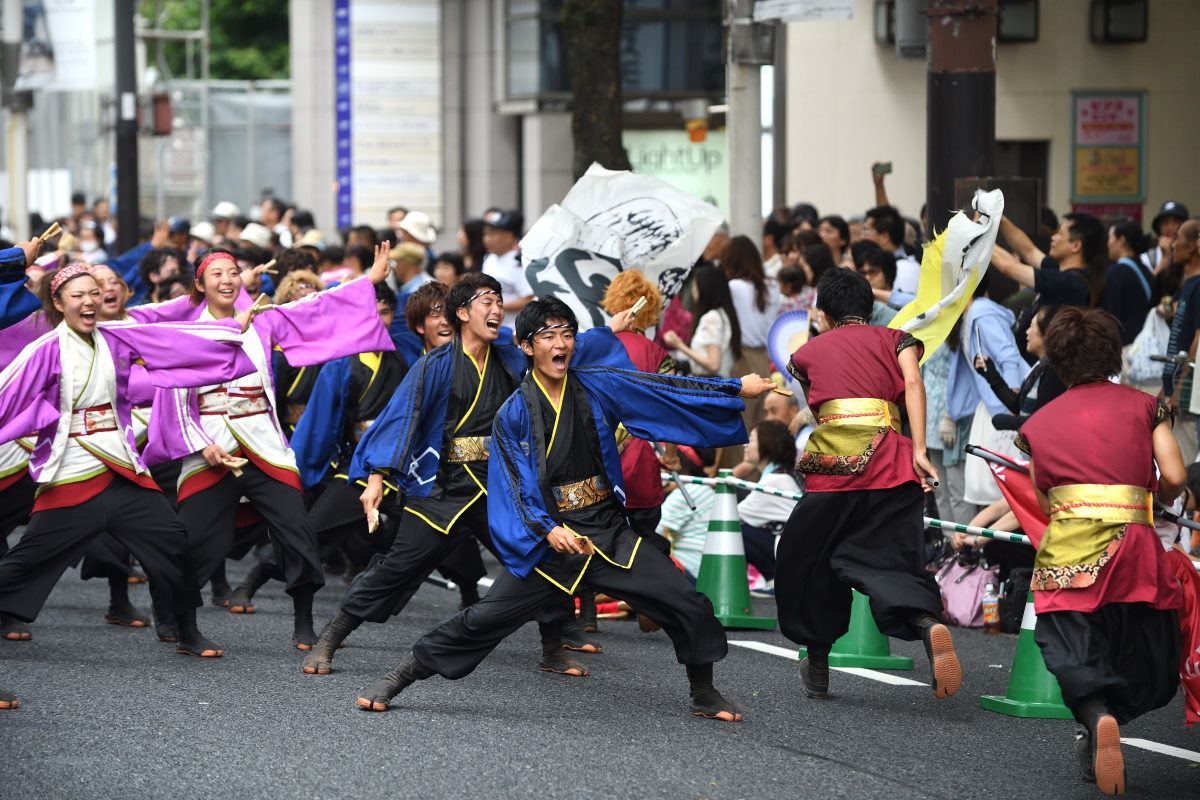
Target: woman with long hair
[(470, 243), (1104, 589), (756, 300), (716, 337), (235, 446), (1128, 283), (772, 450)]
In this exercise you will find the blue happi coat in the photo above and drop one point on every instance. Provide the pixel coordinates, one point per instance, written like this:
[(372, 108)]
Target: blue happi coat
[(701, 412), (406, 439)]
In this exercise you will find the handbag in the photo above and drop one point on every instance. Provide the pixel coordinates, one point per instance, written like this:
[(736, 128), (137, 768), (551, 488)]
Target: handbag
[(1151, 340), (962, 585), (979, 485)]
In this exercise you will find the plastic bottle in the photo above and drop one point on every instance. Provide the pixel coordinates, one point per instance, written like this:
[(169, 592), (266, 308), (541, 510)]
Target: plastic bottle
[(991, 610)]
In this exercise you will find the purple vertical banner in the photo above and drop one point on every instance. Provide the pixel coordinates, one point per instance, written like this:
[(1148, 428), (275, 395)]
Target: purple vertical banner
[(341, 60)]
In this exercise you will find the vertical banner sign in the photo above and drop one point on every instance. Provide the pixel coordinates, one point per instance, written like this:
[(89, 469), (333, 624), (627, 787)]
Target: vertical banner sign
[(389, 109), (58, 46), (1108, 133), (342, 119)]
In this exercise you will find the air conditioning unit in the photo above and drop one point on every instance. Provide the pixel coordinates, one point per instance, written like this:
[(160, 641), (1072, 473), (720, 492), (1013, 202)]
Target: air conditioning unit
[(912, 30)]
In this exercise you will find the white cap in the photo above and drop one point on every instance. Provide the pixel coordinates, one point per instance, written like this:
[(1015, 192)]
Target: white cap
[(225, 210), (203, 231)]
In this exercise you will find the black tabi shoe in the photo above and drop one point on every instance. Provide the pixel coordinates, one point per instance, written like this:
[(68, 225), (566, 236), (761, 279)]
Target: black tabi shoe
[(192, 642), (14, 629), (1083, 752), (123, 613), (8, 700), (943, 661), (221, 592), (242, 599), (561, 662), (574, 638), (814, 674), (320, 660), (1108, 763), (376, 696)]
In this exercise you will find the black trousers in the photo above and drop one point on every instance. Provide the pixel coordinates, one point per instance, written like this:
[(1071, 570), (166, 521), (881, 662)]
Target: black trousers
[(872, 541), (1128, 653), (140, 519), (209, 517), (759, 544), (390, 580), (15, 504), (105, 557), (338, 519), (653, 585), (645, 524)]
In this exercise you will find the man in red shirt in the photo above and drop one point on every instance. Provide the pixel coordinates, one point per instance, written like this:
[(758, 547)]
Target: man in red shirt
[(860, 525)]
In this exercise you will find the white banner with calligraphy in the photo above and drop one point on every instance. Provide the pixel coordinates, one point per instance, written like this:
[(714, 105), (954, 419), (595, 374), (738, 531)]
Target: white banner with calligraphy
[(612, 221)]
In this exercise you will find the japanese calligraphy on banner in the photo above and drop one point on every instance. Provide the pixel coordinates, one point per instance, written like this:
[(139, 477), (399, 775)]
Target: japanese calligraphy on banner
[(388, 108), (608, 222), (1108, 142)]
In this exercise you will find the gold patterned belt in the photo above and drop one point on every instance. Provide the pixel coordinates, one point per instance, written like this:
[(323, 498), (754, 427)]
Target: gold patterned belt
[(1104, 502), (581, 494), (469, 448), (868, 411)]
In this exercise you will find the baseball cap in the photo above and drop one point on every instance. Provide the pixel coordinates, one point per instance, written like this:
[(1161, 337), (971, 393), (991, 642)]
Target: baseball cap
[(509, 220), (1170, 209), (179, 224)]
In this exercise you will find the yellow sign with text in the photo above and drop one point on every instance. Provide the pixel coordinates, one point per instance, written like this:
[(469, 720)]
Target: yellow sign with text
[(1107, 172)]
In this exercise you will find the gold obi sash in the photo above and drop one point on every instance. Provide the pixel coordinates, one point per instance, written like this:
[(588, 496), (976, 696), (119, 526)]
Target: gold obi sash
[(581, 494), (847, 435), (469, 448), (1087, 524)]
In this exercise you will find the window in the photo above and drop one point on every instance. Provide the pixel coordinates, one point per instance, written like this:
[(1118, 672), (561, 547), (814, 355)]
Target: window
[(669, 49)]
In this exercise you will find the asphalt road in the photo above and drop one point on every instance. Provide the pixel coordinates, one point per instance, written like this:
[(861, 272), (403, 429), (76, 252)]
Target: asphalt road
[(111, 712)]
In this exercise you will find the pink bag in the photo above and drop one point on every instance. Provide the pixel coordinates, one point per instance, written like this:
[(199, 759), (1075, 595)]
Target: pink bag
[(962, 588)]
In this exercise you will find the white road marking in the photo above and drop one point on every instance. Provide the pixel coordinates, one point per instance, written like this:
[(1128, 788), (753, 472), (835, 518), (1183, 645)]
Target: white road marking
[(882, 677), (486, 582), (1165, 749)]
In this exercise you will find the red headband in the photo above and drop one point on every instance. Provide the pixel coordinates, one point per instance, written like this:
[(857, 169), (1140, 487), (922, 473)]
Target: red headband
[(66, 273), (211, 257)]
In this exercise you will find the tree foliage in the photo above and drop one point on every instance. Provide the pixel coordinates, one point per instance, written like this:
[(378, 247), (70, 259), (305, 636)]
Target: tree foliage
[(248, 39)]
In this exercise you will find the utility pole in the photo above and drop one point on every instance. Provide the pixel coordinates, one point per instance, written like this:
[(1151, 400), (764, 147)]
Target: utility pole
[(749, 47), (960, 138), (16, 149), (127, 127)]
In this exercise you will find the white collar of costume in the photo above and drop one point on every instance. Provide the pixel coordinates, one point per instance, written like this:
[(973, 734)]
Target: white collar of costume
[(104, 369)]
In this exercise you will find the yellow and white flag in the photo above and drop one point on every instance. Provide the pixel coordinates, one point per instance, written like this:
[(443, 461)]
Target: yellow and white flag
[(951, 267)]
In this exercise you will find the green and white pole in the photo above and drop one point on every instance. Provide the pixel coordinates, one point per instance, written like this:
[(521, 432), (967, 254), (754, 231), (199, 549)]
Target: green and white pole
[(723, 564)]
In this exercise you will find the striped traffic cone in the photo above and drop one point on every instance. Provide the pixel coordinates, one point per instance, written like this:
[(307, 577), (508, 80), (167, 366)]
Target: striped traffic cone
[(1033, 691), (723, 565), (863, 645)]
